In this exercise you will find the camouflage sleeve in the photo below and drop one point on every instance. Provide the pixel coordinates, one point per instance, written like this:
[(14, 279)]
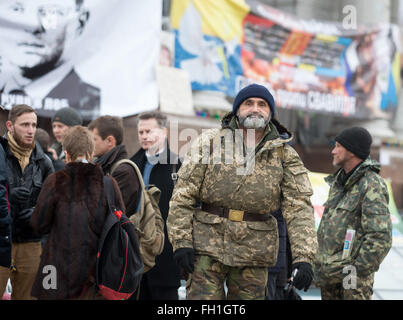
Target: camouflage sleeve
[(377, 227), (186, 193), (297, 208)]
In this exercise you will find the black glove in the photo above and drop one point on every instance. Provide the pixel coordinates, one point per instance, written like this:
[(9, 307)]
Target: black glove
[(24, 215), (19, 194), (185, 258), (304, 276)]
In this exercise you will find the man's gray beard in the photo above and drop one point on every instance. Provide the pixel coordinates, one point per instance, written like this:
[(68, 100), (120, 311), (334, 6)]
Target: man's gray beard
[(254, 122)]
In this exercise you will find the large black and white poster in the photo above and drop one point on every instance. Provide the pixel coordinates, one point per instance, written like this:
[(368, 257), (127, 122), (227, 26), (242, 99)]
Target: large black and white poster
[(96, 56)]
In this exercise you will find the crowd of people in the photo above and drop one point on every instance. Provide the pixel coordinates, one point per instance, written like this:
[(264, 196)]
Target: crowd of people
[(242, 228)]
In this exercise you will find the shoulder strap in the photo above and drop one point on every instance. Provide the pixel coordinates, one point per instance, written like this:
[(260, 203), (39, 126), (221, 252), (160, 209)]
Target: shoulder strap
[(110, 191), (140, 178), (136, 168)]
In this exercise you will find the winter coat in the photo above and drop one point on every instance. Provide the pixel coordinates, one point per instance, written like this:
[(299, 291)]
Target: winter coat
[(71, 208), (5, 217), (124, 174), (33, 177), (165, 272), (215, 172), (361, 204)]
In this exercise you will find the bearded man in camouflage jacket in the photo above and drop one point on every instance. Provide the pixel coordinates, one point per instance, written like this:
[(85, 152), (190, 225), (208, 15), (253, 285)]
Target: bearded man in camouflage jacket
[(220, 221), (355, 233)]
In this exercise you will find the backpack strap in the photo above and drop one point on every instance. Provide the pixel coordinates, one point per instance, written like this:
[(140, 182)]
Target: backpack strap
[(139, 177), (136, 168), (110, 192)]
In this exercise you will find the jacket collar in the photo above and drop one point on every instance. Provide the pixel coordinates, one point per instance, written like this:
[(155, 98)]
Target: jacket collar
[(37, 152), (365, 166), (165, 157), (108, 159)]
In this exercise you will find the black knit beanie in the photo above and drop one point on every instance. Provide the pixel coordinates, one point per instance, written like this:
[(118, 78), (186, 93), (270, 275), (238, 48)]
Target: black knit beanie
[(69, 116), (254, 91), (356, 140)]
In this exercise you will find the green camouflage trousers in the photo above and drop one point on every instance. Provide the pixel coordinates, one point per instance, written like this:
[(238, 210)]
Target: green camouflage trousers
[(362, 291), (207, 281)]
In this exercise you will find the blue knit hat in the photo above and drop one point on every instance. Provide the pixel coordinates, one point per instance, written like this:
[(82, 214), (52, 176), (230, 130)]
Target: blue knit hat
[(254, 91)]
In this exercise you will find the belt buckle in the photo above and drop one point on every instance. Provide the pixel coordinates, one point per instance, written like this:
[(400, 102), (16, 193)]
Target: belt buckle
[(235, 215)]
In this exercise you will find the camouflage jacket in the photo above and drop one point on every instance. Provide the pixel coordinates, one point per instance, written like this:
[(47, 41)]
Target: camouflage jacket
[(362, 205), (273, 176)]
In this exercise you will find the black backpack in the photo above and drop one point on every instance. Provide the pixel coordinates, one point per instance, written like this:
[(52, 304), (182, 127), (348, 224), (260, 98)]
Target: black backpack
[(119, 265)]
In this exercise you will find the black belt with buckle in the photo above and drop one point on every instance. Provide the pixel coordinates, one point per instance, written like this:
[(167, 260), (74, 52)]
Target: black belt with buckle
[(234, 215)]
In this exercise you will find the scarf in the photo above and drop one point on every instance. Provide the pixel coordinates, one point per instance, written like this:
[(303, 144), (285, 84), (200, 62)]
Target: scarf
[(22, 154)]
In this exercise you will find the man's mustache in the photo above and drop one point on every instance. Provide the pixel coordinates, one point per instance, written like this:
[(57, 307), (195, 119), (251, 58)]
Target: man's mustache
[(255, 114)]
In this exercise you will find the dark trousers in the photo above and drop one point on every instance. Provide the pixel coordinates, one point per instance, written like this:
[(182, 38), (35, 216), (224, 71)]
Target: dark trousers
[(275, 288), (148, 292)]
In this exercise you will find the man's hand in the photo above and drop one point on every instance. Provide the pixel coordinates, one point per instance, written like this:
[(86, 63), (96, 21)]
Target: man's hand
[(24, 215), (184, 258), (19, 194), (53, 153), (304, 276)]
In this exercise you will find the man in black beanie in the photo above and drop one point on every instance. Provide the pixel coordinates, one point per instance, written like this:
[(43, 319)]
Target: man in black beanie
[(355, 232), (61, 122)]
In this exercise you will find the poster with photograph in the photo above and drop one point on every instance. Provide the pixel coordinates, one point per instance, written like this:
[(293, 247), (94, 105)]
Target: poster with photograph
[(97, 57)]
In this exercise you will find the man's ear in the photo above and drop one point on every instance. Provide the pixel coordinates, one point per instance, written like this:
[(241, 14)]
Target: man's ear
[(9, 125), (111, 141), (68, 158), (82, 20), (165, 130)]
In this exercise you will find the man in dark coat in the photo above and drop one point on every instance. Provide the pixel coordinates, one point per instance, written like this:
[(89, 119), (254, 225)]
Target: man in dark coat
[(71, 208), (158, 166), (27, 169), (108, 138)]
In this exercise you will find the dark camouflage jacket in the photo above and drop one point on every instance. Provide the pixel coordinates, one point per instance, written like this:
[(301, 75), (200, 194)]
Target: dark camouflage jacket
[(361, 204), (220, 180)]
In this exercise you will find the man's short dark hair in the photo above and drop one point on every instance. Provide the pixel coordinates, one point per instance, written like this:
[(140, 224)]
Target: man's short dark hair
[(18, 110), (108, 126), (161, 118)]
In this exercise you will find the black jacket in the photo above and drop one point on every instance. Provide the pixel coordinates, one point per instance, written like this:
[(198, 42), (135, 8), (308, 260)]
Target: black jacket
[(35, 173), (124, 174), (165, 273), (5, 218)]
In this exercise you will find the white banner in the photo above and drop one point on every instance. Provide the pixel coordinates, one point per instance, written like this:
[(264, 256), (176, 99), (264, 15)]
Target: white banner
[(96, 56)]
